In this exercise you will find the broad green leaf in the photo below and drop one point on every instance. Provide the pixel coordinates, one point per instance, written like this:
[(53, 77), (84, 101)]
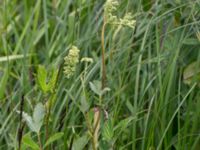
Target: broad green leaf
[(191, 73), (29, 121), (84, 104), (96, 87), (38, 116), (28, 141), (35, 123), (53, 138), (81, 142)]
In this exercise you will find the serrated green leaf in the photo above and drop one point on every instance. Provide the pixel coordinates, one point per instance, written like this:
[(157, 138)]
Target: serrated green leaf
[(42, 78), (108, 131), (28, 141), (53, 138), (52, 82)]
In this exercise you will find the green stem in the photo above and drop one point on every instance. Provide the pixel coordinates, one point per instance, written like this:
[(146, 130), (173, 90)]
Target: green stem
[(39, 141), (103, 56)]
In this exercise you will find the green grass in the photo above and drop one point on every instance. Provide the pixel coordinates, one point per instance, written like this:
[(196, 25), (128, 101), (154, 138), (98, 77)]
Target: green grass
[(149, 105)]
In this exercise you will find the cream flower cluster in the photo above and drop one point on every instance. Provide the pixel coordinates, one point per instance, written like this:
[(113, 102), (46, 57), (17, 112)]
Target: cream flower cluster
[(87, 60), (70, 61), (110, 8)]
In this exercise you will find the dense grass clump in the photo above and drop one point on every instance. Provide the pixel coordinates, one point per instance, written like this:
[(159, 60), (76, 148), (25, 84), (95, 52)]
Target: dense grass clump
[(94, 74)]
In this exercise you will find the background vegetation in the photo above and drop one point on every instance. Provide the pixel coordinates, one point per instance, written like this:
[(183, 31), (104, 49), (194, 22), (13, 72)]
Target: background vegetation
[(152, 95)]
